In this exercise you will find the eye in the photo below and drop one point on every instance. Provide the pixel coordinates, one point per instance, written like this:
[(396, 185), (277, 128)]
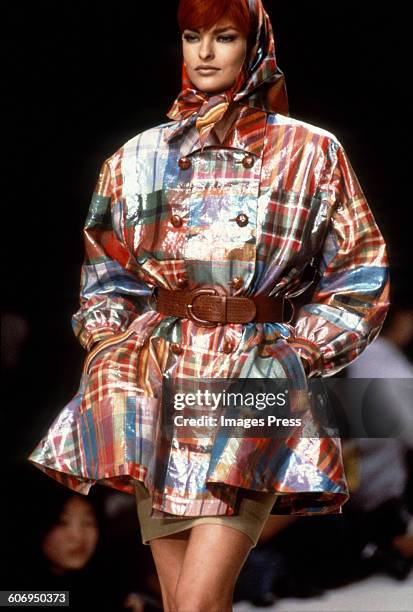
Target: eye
[(190, 37), (226, 38)]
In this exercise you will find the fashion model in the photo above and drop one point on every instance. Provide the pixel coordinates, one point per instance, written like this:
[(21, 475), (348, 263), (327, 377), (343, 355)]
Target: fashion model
[(230, 242)]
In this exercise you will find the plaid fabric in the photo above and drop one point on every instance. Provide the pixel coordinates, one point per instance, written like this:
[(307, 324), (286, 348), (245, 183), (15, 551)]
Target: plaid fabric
[(301, 197), (260, 81), (303, 204)]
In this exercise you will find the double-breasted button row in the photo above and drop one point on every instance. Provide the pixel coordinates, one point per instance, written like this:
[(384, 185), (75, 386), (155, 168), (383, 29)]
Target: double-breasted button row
[(184, 163), (176, 220), (242, 219), (248, 161)]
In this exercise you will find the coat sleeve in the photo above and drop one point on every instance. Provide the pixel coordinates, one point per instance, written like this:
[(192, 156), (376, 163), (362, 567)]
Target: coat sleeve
[(348, 306), (111, 293)]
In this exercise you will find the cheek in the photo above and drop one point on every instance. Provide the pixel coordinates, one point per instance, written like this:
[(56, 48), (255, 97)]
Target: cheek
[(188, 55), (91, 539), (54, 544), (233, 59)]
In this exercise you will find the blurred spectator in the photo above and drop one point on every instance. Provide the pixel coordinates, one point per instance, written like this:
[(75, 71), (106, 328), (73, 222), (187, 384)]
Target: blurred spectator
[(302, 556), (57, 545), (379, 504), (87, 545), (53, 538)]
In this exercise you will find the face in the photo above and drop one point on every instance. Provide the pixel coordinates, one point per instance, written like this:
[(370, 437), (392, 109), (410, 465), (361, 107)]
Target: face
[(71, 542), (214, 57)]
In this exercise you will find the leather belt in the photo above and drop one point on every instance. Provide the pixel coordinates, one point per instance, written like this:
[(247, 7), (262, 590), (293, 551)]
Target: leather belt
[(207, 307)]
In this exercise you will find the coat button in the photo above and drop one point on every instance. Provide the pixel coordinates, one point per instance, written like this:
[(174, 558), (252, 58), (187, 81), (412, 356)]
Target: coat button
[(228, 346), (176, 348), (248, 161), (237, 282), (176, 220), (242, 220), (181, 281), (184, 163)]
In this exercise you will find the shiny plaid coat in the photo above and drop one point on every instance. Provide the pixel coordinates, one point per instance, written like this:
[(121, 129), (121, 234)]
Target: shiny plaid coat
[(156, 221)]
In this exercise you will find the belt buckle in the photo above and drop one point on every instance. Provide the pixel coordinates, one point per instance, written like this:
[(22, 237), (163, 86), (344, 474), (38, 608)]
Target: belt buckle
[(189, 307)]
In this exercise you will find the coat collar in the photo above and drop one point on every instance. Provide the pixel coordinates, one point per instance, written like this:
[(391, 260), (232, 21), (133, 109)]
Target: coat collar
[(246, 133)]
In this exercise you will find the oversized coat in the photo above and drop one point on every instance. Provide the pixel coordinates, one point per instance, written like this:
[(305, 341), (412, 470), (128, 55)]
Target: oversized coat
[(247, 215)]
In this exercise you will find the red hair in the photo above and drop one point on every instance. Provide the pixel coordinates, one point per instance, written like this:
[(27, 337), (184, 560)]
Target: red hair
[(197, 14)]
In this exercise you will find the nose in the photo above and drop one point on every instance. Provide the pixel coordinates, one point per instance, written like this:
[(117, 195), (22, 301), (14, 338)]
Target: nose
[(75, 534), (206, 49)]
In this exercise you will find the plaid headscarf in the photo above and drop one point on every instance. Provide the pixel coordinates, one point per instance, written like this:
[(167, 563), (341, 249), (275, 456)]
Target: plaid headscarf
[(260, 82)]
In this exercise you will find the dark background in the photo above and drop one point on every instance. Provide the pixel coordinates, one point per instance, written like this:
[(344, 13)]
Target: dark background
[(84, 77)]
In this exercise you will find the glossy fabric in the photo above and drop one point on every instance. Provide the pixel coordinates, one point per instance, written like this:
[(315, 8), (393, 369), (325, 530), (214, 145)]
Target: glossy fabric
[(302, 198), (259, 79)]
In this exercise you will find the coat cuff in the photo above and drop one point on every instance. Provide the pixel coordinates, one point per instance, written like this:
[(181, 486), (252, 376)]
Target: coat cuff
[(310, 354), (87, 339)]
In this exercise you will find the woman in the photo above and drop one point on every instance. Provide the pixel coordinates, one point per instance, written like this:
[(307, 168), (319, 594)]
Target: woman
[(57, 547), (198, 232), (59, 541)]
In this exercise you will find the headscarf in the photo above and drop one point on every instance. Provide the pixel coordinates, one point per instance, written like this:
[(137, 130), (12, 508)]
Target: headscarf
[(260, 84)]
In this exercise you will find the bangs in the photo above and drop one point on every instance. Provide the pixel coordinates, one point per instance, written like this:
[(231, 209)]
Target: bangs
[(198, 14)]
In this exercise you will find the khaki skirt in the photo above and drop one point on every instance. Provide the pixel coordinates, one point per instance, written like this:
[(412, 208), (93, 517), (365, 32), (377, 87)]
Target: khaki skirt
[(254, 509)]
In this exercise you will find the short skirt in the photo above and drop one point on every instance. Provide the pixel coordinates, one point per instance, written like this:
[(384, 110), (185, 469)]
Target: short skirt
[(254, 508)]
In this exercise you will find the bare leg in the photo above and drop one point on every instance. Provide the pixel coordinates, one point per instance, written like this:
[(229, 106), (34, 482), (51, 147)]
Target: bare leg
[(168, 553), (274, 525), (213, 560)]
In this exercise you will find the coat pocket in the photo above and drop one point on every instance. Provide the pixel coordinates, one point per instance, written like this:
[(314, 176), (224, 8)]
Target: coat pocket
[(296, 376), (294, 366)]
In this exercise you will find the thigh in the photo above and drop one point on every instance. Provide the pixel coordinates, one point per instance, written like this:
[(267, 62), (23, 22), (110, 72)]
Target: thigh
[(213, 560), (168, 549), (169, 553)]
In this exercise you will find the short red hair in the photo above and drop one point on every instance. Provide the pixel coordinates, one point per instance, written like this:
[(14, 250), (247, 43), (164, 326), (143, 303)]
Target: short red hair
[(197, 14)]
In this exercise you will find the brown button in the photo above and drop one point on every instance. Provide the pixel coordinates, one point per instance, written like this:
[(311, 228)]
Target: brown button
[(237, 282), (248, 161), (176, 348), (184, 163), (228, 347), (176, 220), (242, 220), (181, 281)]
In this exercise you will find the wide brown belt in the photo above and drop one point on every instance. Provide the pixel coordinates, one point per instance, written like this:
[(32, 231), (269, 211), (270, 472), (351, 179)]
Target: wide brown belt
[(207, 307)]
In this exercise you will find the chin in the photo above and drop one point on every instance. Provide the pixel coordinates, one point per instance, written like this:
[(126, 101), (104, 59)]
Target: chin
[(209, 86), (76, 564)]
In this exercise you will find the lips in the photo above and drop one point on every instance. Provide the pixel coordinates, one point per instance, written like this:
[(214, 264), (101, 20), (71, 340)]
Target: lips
[(81, 550), (206, 69)]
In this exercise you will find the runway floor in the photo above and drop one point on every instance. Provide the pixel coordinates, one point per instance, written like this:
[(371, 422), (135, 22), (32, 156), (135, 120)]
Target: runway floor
[(374, 594)]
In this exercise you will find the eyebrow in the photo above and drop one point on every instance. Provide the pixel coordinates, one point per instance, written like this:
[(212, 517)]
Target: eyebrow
[(217, 30)]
